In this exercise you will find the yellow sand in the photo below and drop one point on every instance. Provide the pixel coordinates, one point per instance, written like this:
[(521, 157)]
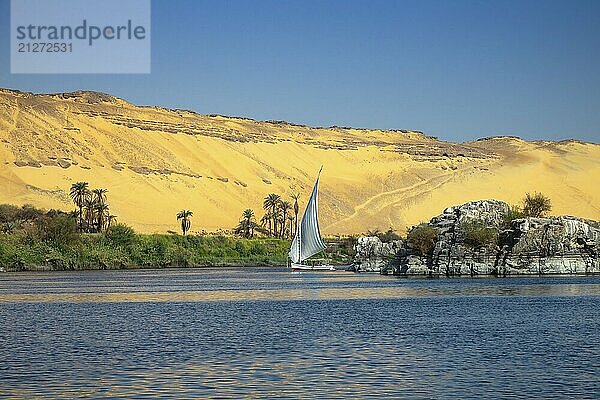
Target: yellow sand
[(155, 162)]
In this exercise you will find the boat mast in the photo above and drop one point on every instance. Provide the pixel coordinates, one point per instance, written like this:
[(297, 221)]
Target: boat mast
[(299, 234)]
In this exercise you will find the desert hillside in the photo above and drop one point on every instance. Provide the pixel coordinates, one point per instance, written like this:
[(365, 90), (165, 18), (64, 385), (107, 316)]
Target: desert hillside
[(155, 162)]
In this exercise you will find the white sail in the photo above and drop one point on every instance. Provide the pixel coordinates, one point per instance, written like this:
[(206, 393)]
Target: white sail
[(307, 241)]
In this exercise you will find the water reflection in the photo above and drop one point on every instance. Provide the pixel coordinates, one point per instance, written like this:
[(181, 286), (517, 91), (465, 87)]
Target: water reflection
[(265, 285), (270, 334)]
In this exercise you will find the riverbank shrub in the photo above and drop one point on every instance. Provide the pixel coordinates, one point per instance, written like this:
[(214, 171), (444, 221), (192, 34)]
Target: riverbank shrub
[(120, 235), (60, 229), (120, 250)]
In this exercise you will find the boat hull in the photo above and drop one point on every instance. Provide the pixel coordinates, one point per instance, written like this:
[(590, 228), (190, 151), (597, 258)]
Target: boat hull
[(301, 267)]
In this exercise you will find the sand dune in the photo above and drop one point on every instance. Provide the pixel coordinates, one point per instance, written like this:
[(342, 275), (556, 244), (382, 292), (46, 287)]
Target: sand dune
[(156, 161)]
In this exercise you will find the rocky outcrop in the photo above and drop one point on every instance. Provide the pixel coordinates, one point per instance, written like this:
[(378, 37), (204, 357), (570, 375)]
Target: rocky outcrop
[(452, 255), (556, 245), (373, 255), (553, 245)]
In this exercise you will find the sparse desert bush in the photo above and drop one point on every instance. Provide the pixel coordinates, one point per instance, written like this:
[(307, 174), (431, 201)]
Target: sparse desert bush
[(386, 237), (389, 236), (373, 232), (478, 235), (513, 213), (422, 238), (536, 205)]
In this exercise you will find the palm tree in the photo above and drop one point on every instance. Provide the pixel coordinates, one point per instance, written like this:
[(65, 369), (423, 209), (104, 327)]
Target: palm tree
[(79, 191), (240, 229), (110, 219), (266, 220), (248, 217), (296, 209), (101, 208), (276, 219), (89, 212), (271, 203), (284, 206), (291, 219), (100, 195), (184, 216), (247, 225), (101, 215)]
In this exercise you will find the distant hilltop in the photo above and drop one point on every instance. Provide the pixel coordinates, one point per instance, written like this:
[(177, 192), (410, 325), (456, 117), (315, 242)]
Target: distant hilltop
[(155, 161)]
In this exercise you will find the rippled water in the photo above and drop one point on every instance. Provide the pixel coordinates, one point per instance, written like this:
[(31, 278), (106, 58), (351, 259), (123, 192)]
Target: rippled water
[(231, 333)]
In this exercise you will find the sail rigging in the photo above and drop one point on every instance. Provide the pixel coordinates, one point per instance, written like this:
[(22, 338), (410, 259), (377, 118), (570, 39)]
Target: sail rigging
[(307, 241)]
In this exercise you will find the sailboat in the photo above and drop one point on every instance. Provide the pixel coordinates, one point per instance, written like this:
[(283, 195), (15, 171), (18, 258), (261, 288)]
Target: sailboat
[(307, 240)]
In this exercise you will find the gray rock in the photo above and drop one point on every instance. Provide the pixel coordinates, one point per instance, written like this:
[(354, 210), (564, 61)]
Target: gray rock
[(373, 255), (553, 245)]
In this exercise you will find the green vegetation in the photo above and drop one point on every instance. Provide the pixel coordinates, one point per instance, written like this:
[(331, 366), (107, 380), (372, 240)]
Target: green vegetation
[(422, 238), (386, 237), (270, 205), (479, 235), (536, 205), (120, 235), (119, 249), (90, 238), (341, 249), (513, 213), (31, 239)]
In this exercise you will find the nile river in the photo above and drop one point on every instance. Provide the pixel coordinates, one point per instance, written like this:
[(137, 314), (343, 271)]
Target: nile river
[(264, 333)]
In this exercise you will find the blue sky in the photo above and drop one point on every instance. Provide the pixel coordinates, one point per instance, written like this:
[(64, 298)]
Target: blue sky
[(459, 70)]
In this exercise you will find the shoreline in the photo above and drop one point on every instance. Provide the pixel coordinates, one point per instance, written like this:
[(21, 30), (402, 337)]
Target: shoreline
[(280, 266), (215, 265)]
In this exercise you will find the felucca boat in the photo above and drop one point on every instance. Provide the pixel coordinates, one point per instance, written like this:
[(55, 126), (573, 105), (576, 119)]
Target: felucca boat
[(307, 240)]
